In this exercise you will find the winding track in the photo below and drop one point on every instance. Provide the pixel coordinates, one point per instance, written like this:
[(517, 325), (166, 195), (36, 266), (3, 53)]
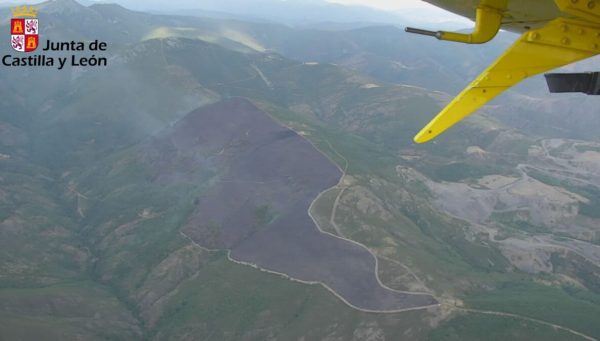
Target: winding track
[(497, 313), (293, 243), (342, 186)]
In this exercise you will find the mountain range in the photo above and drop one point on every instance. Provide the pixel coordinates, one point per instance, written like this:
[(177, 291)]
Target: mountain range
[(228, 179)]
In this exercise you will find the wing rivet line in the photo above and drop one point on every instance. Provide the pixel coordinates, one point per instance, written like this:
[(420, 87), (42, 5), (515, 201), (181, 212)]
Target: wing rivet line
[(581, 9)]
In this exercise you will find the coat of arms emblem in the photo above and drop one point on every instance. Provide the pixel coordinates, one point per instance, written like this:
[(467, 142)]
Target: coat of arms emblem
[(24, 29)]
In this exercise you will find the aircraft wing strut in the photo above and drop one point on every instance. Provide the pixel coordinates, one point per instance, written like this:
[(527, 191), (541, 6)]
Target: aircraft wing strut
[(560, 42)]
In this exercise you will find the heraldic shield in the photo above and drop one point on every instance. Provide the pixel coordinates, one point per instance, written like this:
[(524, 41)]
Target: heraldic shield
[(24, 29)]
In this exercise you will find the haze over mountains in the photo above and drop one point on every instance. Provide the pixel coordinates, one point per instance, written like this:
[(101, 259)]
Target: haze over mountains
[(167, 196), (295, 12)]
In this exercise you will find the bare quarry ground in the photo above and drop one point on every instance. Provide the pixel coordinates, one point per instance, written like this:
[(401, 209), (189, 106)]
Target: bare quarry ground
[(530, 220)]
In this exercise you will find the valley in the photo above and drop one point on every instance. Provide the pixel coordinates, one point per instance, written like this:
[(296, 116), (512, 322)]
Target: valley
[(224, 179)]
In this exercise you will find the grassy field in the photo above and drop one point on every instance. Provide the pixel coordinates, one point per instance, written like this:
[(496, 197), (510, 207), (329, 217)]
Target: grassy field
[(226, 301), (474, 326), (574, 308)]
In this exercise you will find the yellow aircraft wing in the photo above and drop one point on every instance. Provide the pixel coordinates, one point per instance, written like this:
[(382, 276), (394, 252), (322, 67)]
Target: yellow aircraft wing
[(555, 33)]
